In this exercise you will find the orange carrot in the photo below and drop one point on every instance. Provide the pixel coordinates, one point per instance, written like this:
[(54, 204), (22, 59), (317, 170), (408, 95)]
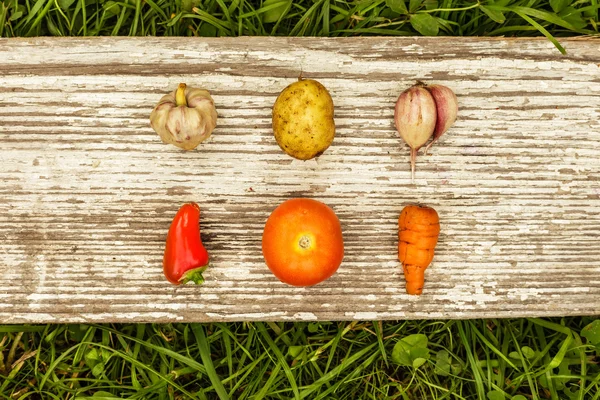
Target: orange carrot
[(418, 230)]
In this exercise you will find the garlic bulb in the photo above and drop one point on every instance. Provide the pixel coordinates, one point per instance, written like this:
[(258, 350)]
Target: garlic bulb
[(422, 112), (185, 118)]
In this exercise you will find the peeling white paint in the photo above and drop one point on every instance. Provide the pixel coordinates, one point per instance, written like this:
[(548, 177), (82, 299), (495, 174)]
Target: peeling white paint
[(305, 316), (368, 316), (134, 316)]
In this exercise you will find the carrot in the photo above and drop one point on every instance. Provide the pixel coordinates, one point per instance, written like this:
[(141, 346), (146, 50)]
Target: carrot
[(418, 230)]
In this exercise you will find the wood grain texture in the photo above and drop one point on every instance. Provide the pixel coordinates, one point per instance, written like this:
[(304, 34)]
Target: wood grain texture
[(88, 190)]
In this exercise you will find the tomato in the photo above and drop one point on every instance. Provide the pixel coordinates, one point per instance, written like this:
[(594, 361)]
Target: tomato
[(302, 242), (185, 257)]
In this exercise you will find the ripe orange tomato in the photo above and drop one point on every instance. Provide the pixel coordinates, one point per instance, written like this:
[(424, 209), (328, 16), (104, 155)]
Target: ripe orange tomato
[(302, 242)]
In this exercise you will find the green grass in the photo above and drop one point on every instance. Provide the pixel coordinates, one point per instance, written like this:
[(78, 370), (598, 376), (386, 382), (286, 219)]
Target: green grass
[(478, 359), (554, 18)]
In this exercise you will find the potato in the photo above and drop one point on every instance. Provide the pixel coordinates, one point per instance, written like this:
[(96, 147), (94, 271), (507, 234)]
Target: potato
[(303, 119)]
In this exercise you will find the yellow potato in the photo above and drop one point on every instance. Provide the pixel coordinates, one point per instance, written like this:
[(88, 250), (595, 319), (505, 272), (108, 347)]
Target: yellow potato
[(303, 119)]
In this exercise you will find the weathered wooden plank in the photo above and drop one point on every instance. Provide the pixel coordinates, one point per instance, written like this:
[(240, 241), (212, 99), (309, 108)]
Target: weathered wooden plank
[(88, 190)]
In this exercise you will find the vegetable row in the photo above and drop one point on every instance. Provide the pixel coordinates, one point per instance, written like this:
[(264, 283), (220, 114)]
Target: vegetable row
[(302, 241), (302, 244)]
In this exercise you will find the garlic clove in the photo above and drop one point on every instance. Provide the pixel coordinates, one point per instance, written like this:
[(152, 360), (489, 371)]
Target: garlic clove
[(415, 118), (447, 110)]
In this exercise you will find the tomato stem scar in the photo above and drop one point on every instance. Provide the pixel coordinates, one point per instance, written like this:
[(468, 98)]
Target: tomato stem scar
[(304, 242)]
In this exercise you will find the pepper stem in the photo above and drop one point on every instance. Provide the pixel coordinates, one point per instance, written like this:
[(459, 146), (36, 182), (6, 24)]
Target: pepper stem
[(193, 275), (180, 95), (413, 161)]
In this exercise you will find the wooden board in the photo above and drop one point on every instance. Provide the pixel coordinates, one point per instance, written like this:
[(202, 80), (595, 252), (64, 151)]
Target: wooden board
[(87, 189)]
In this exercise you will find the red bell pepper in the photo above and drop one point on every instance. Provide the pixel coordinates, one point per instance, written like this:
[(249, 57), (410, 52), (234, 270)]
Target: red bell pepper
[(185, 256)]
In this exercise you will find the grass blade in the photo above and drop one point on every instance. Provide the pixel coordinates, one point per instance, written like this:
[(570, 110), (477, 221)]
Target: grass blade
[(337, 370), (204, 349), (470, 357), (492, 347), (286, 369), (263, 391), (39, 16), (544, 32), (540, 14), (532, 387), (21, 328), (159, 349)]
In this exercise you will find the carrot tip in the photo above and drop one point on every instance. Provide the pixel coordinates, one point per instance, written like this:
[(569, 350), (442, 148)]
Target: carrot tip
[(414, 289)]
